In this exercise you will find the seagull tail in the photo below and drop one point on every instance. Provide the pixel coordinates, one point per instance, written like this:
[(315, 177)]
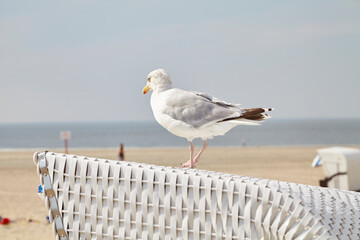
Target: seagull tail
[(255, 114), (250, 116)]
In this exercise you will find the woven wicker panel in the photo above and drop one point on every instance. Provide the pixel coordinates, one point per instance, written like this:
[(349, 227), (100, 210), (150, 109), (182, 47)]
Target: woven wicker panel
[(104, 199)]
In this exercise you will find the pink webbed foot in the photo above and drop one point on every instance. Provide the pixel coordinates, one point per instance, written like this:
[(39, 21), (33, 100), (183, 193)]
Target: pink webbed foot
[(187, 164)]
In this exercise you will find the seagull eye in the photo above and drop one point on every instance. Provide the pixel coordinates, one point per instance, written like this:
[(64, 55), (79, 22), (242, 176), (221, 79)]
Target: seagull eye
[(149, 79)]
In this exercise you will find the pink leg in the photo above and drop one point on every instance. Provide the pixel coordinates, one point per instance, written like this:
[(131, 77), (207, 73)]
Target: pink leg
[(197, 158), (190, 162)]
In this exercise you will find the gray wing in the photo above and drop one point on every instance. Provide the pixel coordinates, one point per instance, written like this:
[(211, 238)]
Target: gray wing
[(235, 107), (198, 109)]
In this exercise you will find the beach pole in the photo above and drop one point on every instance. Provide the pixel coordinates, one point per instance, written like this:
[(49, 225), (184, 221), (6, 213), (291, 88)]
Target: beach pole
[(66, 135), (66, 146)]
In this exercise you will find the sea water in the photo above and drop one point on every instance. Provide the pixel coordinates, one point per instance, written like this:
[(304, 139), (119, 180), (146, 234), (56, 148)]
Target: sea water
[(273, 132)]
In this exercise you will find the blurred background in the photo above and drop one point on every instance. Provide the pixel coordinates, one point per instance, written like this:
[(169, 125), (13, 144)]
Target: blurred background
[(65, 62)]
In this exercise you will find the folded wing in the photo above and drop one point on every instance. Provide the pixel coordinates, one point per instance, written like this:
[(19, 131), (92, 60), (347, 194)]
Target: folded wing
[(200, 109)]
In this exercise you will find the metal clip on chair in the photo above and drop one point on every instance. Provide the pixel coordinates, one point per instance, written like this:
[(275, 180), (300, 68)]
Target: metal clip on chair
[(50, 198)]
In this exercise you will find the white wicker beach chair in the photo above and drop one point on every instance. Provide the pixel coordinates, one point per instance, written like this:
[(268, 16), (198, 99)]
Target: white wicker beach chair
[(92, 198)]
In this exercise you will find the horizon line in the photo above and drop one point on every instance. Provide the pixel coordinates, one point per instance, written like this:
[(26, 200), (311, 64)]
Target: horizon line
[(153, 120)]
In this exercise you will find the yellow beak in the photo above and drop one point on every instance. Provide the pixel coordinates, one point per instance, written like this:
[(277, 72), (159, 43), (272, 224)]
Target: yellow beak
[(145, 89)]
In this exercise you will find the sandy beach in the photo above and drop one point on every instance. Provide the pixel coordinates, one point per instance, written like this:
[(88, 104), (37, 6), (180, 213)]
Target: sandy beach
[(20, 202)]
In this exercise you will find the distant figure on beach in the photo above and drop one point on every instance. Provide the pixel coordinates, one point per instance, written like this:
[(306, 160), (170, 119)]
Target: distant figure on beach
[(121, 154)]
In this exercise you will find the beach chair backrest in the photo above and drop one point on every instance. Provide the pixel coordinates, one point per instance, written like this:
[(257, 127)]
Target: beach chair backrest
[(105, 199)]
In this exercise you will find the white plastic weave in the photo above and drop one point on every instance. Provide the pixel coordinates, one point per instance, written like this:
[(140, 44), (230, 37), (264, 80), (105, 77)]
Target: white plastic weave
[(105, 199)]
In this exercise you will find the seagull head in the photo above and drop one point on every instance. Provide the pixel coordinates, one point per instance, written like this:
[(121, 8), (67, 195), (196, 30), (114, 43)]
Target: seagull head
[(157, 80)]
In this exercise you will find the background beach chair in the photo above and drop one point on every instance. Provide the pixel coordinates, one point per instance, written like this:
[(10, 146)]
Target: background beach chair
[(341, 166), (92, 198)]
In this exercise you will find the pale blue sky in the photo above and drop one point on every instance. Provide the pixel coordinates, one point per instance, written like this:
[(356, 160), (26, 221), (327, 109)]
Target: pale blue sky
[(88, 60)]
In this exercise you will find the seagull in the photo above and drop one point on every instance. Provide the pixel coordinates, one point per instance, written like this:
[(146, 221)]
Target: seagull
[(191, 115)]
